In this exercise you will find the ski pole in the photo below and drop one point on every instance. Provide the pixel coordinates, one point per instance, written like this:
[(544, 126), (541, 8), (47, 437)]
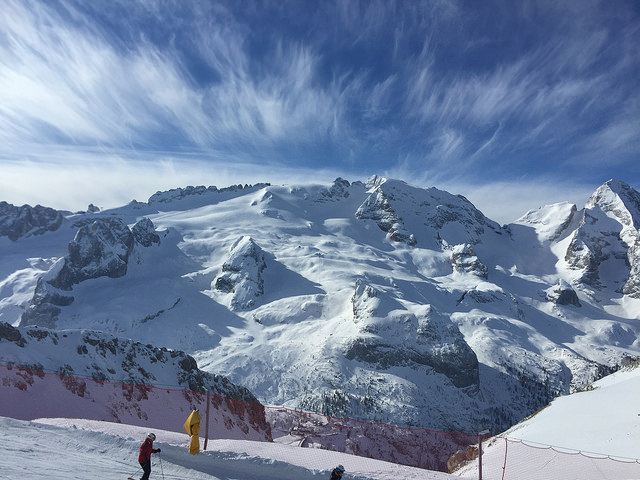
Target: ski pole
[(161, 469), (131, 476)]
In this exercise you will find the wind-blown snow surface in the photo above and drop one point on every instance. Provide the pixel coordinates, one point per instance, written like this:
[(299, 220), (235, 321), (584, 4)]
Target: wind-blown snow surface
[(69, 449), (379, 301)]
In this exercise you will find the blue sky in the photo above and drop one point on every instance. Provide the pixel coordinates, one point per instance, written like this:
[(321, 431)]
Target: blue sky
[(512, 104)]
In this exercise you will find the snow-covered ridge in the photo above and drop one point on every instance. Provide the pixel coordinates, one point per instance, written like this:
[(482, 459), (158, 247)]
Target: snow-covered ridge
[(190, 192)]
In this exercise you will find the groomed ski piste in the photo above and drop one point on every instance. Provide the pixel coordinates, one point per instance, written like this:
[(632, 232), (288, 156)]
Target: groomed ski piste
[(70, 449)]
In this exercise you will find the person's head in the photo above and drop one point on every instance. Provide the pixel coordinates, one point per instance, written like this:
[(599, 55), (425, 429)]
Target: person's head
[(340, 469), (151, 436)]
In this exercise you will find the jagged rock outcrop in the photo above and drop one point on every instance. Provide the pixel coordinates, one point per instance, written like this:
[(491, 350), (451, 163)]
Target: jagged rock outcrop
[(144, 233), (100, 249), (465, 260), (242, 274), (607, 239), (461, 458), (339, 189), (17, 222), (426, 338), (563, 294)]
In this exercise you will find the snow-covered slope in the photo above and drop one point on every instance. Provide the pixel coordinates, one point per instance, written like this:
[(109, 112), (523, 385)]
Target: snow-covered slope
[(590, 434), (601, 419), (373, 300)]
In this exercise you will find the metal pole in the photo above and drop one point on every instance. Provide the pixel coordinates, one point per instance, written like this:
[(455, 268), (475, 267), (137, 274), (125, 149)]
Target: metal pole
[(479, 457), (480, 435), (206, 425)]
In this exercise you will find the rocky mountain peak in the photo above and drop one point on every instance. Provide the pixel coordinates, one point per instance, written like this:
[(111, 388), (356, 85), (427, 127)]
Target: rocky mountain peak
[(17, 222), (550, 221), (607, 242), (618, 200)]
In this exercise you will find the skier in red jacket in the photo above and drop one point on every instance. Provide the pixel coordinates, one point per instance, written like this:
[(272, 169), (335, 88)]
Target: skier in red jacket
[(144, 459)]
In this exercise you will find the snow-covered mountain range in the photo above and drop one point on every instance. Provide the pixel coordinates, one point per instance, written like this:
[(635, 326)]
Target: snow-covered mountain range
[(377, 300)]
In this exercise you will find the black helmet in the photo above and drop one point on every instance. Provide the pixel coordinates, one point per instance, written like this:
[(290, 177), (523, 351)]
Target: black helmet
[(340, 469)]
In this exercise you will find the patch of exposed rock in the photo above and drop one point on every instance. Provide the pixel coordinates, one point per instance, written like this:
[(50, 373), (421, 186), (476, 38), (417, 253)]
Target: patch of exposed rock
[(461, 458), (465, 260), (339, 190), (242, 274), (377, 207), (563, 294)]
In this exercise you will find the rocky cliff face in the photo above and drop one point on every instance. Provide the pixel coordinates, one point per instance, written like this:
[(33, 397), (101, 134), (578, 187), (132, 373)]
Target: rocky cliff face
[(604, 248), (465, 260), (242, 273), (17, 222), (101, 248), (426, 342)]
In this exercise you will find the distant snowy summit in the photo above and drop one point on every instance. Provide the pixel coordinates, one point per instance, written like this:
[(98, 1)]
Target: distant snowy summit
[(601, 242)]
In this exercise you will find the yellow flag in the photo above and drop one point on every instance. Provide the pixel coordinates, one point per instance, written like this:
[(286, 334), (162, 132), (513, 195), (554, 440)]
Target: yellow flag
[(192, 427), (194, 447), (193, 419)]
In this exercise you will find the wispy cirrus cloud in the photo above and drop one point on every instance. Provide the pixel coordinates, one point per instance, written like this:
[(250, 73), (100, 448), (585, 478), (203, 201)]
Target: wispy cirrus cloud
[(549, 99), (62, 83), (451, 92)]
